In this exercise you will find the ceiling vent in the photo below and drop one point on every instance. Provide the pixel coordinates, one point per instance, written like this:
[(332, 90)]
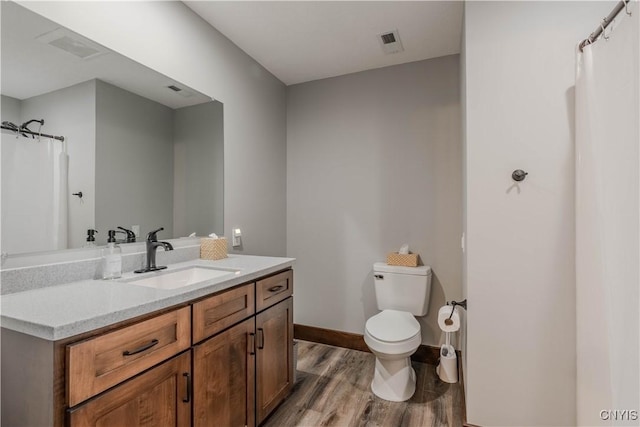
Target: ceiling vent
[(180, 91), (72, 43), (390, 42)]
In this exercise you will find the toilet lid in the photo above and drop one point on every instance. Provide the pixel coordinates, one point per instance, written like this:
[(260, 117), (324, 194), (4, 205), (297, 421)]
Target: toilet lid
[(392, 326)]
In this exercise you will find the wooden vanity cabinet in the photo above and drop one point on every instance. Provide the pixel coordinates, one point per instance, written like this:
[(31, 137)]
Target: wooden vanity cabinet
[(223, 360)]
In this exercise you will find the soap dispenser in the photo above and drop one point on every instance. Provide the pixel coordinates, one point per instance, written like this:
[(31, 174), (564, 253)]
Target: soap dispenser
[(111, 258), (91, 239)]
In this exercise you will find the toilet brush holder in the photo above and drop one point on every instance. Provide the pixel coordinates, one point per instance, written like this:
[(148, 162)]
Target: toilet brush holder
[(447, 369)]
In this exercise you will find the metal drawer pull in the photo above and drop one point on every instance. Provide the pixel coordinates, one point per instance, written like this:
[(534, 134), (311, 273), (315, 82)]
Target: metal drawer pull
[(261, 338), (252, 345), (188, 398), (141, 349), (275, 288)]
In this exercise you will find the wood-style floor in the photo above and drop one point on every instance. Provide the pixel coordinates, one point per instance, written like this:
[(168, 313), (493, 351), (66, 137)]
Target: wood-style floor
[(333, 389)]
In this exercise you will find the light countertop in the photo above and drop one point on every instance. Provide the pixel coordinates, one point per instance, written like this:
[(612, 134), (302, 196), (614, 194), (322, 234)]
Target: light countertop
[(62, 311)]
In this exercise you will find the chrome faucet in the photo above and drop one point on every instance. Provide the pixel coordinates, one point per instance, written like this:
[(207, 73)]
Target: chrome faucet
[(152, 246)]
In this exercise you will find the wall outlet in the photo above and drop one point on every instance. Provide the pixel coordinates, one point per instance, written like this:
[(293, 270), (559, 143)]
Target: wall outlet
[(136, 229)]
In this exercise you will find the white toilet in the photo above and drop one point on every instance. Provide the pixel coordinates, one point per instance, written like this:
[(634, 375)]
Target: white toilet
[(393, 335)]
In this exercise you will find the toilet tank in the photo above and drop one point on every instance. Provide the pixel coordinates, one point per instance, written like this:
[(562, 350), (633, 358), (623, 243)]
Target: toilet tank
[(402, 288)]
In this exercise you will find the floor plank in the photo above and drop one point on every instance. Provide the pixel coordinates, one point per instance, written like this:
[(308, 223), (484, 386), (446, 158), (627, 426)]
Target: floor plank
[(333, 389)]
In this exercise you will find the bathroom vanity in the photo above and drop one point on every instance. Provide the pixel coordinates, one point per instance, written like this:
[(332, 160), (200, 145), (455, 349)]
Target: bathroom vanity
[(217, 352)]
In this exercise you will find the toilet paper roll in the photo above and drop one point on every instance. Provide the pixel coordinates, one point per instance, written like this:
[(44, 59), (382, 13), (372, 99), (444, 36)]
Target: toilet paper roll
[(446, 321)]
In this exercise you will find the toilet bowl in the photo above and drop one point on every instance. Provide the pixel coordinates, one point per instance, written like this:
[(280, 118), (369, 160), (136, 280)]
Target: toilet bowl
[(393, 336)]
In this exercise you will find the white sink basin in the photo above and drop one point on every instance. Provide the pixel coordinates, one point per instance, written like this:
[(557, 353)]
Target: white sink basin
[(181, 278)]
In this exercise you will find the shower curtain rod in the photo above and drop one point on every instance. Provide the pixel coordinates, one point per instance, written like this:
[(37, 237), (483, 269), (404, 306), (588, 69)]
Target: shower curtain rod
[(605, 23), (59, 138)]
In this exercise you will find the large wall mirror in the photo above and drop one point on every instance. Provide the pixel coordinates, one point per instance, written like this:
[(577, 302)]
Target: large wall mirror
[(140, 150)]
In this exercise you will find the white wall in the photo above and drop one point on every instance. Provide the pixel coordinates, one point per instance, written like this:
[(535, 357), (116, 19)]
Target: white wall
[(463, 111), (71, 112), (170, 38), (520, 239), (373, 161)]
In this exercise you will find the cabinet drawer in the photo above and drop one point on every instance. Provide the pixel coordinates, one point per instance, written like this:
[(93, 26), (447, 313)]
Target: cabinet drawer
[(274, 289), (99, 363), (218, 312)]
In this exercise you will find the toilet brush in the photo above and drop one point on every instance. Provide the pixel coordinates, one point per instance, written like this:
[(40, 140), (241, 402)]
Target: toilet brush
[(447, 369), (447, 342)]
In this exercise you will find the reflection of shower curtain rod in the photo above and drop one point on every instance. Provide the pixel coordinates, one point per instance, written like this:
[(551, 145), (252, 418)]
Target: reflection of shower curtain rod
[(27, 131), (605, 23)]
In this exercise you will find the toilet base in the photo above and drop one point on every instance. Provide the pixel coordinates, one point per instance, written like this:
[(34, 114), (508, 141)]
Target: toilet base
[(394, 380)]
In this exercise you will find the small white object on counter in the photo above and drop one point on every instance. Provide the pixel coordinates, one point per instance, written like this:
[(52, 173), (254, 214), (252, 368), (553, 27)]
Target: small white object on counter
[(111, 261)]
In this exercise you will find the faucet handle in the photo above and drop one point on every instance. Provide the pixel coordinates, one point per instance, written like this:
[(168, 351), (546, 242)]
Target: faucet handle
[(151, 237), (131, 236)]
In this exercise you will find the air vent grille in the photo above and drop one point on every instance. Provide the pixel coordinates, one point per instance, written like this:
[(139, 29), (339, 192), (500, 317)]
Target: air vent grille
[(388, 38), (174, 88), (390, 42), (72, 43)]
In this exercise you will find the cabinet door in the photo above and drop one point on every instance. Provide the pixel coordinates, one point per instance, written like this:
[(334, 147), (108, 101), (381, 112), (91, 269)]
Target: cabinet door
[(224, 378), (274, 363), (159, 397)]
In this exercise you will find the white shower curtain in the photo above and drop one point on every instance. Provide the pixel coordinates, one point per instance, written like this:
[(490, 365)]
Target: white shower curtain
[(34, 194), (608, 226)]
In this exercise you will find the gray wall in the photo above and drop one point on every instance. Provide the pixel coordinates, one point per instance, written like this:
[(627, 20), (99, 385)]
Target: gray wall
[(10, 110), (198, 138), (134, 162), (71, 112), (202, 58), (373, 161)]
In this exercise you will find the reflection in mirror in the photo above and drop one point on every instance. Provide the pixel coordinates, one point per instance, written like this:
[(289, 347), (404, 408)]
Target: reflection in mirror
[(140, 150)]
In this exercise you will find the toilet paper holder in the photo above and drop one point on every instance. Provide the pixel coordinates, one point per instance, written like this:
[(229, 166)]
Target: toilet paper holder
[(462, 303), (453, 304)]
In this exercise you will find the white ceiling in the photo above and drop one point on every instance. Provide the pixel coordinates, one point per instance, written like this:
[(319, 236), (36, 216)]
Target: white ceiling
[(31, 67), (300, 41)]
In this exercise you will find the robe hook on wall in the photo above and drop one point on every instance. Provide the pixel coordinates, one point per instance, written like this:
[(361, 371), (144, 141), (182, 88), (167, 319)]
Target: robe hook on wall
[(79, 194), (519, 175)]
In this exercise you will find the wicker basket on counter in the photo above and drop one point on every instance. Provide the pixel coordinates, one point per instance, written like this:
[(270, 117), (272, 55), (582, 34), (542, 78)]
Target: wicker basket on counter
[(213, 248), (404, 260)]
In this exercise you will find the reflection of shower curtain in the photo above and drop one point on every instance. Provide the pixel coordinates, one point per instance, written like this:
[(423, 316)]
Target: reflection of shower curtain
[(34, 194), (607, 224)]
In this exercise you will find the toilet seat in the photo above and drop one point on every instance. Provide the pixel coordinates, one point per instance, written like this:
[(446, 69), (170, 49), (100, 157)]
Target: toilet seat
[(392, 326)]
